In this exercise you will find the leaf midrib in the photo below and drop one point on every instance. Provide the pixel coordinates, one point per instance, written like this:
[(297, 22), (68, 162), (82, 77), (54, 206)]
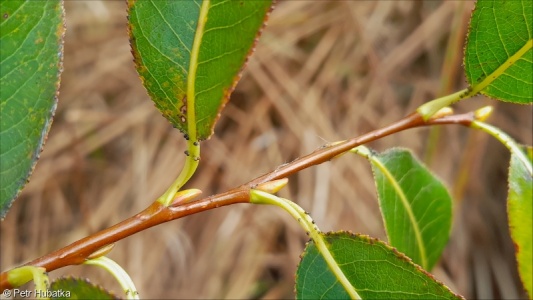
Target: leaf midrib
[(478, 87), (193, 66), (396, 186)]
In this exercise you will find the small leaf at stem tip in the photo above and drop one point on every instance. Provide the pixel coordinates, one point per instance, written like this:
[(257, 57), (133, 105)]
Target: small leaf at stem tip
[(185, 196), (273, 186), (443, 112), (483, 113), (102, 251)]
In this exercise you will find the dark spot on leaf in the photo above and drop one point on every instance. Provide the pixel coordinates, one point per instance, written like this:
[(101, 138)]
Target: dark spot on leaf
[(6, 15), (516, 247), (186, 152)]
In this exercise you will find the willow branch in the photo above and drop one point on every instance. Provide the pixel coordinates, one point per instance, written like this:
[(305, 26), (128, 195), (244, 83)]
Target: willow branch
[(79, 251)]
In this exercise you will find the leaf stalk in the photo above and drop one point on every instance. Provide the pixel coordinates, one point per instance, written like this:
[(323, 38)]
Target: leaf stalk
[(305, 221), (118, 272), (506, 140)]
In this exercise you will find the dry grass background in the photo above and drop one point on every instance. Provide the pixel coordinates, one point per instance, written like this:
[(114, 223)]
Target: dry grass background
[(323, 71)]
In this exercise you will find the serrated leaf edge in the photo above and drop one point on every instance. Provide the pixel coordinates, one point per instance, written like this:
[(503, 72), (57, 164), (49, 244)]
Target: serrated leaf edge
[(475, 88), (396, 185), (528, 151), (371, 240), (61, 28), (85, 280)]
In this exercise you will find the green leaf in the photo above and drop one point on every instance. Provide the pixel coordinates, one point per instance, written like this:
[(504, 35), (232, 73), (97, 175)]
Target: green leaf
[(31, 49), (499, 57), (416, 207), (519, 209), (76, 288), (189, 55), (376, 271)]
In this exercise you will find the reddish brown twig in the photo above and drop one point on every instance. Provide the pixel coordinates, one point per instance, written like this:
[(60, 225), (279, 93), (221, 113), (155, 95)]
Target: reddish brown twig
[(77, 252)]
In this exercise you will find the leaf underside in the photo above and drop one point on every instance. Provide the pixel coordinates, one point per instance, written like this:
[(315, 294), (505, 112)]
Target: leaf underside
[(519, 209), (31, 52), (416, 207), (163, 34), (376, 271), (498, 31)]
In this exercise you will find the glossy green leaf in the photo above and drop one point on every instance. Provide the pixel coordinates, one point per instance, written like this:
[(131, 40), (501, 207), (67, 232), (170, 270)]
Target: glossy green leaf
[(376, 271), (499, 57), (416, 206), (519, 208), (189, 55), (75, 288), (31, 38)]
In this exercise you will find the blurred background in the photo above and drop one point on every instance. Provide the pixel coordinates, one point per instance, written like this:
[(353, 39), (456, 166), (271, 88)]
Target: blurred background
[(323, 71)]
